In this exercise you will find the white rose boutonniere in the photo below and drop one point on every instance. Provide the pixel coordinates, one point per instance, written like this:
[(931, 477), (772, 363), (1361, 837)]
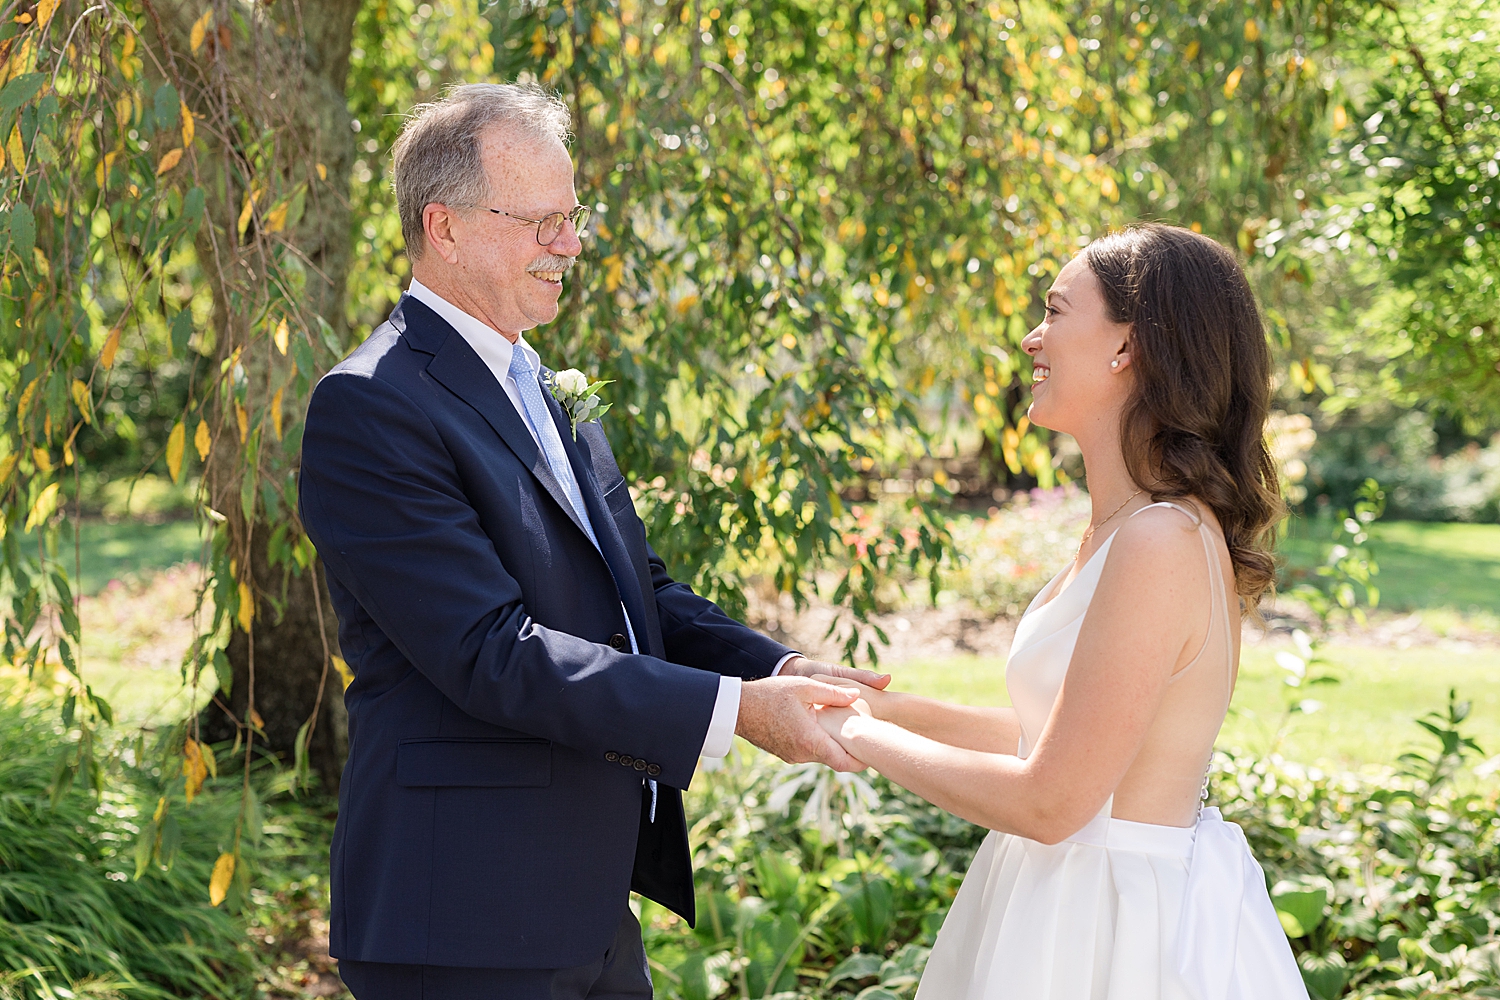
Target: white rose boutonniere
[(578, 397)]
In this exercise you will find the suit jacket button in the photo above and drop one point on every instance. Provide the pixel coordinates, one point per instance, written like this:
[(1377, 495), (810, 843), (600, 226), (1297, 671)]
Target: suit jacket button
[(611, 756), (619, 642), (653, 769), (640, 765), (626, 760)]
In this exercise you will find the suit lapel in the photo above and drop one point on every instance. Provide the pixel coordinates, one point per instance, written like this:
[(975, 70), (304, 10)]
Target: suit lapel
[(611, 545), (465, 374)]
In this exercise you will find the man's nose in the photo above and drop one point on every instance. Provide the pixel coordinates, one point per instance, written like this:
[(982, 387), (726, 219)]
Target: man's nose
[(567, 243)]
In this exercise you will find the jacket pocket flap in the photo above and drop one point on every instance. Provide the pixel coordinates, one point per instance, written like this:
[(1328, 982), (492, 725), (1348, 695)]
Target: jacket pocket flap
[(474, 763)]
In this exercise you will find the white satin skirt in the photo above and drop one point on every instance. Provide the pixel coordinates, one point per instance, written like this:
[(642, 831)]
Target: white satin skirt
[(1118, 911)]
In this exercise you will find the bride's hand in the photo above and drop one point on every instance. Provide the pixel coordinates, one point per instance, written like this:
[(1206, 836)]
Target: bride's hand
[(877, 703), (833, 719)]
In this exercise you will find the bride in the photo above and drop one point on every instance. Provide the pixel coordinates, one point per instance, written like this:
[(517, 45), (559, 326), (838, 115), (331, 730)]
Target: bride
[(1104, 876)]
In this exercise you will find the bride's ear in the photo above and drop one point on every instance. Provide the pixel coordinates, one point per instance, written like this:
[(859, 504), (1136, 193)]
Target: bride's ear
[(1121, 360)]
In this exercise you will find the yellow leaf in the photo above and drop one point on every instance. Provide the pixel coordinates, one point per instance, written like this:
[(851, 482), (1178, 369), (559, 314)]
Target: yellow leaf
[(614, 272), (169, 159), (111, 345), (244, 219), (7, 466), (175, 442), (276, 218), (81, 400), (632, 46), (247, 607), (161, 809), (101, 172), (68, 444), (257, 721), (280, 336), (14, 151), (1252, 30), (1233, 82), (322, 172), (1109, 188), (46, 8), (346, 676), (27, 395), (188, 127), (276, 412), (42, 459), (195, 40), (218, 882), (1340, 118), (45, 507), (243, 419), (1191, 52), (611, 132), (202, 440), (193, 768), (686, 303)]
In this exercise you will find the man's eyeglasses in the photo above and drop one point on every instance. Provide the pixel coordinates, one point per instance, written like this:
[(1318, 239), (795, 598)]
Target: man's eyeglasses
[(549, 227)]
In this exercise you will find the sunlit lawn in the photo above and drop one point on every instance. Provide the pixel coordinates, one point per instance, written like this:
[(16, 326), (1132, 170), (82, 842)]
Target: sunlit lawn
[(1423, 567), (134, 640), (1365, 719)]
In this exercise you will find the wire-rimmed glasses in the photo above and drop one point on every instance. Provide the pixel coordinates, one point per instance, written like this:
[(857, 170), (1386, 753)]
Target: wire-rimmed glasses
[(550, 226)]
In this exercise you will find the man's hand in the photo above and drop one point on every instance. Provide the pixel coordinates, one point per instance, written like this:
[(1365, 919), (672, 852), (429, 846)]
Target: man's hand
[(801, 666), (778, 714)]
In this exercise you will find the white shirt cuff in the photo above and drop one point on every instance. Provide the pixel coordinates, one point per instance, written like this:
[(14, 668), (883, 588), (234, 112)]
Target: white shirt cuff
[(726, 713), (783, 662)]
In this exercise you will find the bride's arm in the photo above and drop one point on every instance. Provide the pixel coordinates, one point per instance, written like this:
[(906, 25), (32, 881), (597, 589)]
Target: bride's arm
[(1136, 631), (992, 730)]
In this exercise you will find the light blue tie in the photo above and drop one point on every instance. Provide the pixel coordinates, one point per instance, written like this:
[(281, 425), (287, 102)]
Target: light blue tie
[(537, 413)]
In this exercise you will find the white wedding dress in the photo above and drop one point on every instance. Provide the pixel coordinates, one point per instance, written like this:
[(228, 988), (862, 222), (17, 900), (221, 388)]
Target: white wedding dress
[(1120, 910)]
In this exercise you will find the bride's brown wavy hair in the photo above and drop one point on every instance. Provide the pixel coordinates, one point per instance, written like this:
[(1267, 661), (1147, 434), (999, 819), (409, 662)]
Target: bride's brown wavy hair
[(1195, 425)]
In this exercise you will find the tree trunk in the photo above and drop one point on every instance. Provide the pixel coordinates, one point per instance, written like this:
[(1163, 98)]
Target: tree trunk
[(285, 78)]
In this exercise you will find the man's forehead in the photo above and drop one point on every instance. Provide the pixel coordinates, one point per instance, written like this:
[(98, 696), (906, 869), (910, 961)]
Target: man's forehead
[(526, 165)]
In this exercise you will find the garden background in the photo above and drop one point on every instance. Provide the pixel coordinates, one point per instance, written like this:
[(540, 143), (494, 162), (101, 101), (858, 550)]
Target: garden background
[(821, 229)]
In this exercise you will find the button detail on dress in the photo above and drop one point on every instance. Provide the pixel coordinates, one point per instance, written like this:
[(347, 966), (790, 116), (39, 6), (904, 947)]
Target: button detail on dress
[(618, 642)]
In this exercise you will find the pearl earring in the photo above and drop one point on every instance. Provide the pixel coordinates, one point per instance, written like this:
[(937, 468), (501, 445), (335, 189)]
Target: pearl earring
[(1114, 364)]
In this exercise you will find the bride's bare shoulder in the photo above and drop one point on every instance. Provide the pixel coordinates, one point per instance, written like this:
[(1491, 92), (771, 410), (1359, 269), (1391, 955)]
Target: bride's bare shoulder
[(1160, 542)]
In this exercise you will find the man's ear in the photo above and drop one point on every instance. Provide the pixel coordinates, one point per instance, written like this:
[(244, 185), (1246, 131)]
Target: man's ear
[(437, 225)]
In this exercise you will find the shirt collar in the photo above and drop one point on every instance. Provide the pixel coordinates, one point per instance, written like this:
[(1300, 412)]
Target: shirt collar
[(491, 346)]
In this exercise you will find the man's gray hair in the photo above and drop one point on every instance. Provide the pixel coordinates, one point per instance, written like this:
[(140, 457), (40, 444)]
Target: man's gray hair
[(437, 157)]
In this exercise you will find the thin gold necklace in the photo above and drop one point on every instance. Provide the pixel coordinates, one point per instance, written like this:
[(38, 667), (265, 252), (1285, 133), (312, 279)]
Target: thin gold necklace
[(1090, 533)]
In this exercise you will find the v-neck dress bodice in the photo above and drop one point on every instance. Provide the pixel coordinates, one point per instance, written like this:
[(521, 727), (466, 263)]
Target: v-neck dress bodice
[(1120, 910)]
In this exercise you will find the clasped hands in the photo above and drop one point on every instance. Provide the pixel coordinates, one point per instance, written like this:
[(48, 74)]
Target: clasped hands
[(798, 714)]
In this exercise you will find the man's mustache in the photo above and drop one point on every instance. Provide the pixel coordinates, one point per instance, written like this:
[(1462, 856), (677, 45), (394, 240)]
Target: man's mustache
[(551, 264)]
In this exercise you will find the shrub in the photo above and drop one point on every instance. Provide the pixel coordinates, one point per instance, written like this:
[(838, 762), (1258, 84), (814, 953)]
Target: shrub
[(819, 885), (73, 919)]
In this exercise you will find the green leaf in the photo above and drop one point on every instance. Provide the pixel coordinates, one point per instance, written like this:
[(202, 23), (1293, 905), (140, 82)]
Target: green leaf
[(182, 329), (165, 106), (145, 848), (18, 91), (22, 231), (1300, 910), (171, 840)]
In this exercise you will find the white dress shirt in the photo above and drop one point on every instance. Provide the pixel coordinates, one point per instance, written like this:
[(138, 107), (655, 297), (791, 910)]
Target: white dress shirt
[(495, 351)]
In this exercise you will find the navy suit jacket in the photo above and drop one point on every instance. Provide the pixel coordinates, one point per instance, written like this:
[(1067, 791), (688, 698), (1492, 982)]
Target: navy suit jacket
[(492, 810)]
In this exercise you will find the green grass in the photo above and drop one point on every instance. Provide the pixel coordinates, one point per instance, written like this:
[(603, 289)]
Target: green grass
[(1423, 566), (128, 549), (1368, 718)]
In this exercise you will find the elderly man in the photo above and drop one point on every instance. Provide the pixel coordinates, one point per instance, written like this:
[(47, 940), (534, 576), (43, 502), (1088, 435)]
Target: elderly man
[(531, 689)]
